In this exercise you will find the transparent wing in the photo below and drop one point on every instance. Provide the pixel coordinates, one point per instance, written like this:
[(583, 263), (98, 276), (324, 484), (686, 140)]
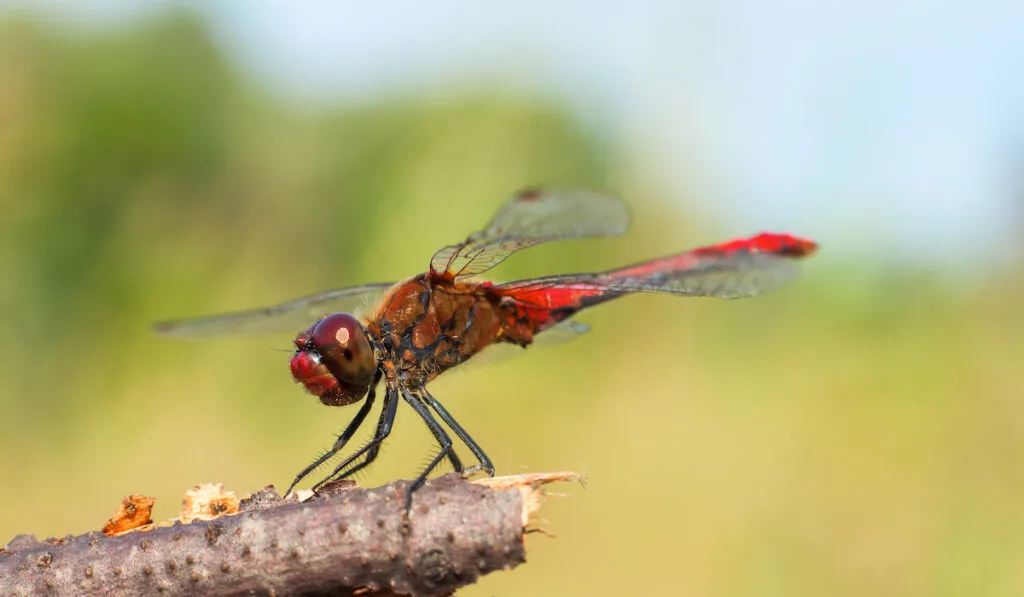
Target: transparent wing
[(291, 316), (532, 217), (559, 333), (736, 269)]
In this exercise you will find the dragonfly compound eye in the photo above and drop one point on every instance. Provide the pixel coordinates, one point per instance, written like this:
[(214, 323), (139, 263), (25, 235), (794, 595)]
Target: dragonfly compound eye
[(341, 342)]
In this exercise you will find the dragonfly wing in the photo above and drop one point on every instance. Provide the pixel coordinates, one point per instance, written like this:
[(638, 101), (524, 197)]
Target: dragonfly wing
[(291, 316), (565, 331), (736, 269), (532, 217), (559, 333)]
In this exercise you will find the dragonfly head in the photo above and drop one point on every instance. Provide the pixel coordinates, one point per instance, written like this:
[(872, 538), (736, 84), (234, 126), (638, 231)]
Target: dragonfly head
[(334, 360)]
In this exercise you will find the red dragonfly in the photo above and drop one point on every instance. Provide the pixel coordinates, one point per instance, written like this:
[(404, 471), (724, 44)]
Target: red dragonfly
[(422, 326)]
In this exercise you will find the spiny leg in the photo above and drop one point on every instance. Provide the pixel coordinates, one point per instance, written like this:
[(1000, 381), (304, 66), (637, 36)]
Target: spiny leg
[(452, 456), (345, 436), (371, 455), (456, 461), (372, 447), (383, 426), (485, 462), (442, 439)]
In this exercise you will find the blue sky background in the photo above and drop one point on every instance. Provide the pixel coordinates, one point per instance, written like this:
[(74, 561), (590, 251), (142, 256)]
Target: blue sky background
[(829, 118)]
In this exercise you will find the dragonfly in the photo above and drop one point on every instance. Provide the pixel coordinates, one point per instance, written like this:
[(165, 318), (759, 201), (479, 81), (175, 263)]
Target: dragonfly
[(407, 333)]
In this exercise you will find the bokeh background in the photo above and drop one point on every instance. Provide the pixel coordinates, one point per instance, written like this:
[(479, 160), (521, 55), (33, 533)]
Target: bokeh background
[(858, 433)]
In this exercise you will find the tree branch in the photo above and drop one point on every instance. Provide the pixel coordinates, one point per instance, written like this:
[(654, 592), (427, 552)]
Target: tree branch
[(344, 541)]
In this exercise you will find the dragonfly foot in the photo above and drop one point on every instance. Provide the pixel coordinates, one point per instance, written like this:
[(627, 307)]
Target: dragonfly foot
[(470, 471)]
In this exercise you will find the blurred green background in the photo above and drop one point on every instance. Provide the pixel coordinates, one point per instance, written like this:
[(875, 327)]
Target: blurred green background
[(857, 433)]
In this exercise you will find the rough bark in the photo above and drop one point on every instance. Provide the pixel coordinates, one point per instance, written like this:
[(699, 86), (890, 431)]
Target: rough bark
[(348, 541)]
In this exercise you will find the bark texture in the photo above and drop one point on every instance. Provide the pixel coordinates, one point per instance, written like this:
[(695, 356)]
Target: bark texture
[(345, 541)]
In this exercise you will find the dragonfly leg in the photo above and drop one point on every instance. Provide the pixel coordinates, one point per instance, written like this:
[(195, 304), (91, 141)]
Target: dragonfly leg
[(454, 459), (371, 455), (452, 456), (442, 439), (343, 439), (484, 462), (372, 447)]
